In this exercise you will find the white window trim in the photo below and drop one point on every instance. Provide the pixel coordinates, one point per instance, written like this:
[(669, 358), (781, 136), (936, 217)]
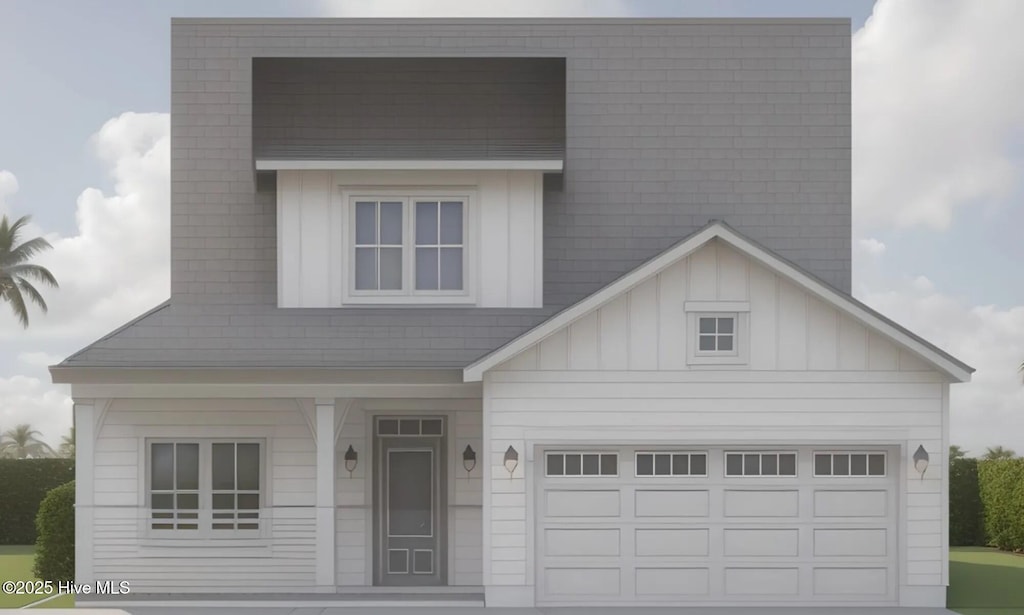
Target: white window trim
[(409, 296), (637, 474), (814, 465), (725, 464), (205, 521), (618, 462), (739, 312)]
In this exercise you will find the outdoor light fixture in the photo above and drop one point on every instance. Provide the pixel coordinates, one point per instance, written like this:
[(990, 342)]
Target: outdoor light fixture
[(351, 460), (921, 460), (469, 459), (511, 460)]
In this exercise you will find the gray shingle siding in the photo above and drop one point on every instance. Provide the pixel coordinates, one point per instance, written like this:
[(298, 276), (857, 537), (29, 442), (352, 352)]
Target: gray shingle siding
[(668, 123)]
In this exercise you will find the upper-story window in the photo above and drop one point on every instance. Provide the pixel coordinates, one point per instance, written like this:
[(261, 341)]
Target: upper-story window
[(717, 332)]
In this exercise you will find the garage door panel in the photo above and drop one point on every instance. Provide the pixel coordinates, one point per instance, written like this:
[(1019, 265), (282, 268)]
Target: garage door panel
[(671, 503), (568, 582), (762, 581), (851, 581), (850, 503), (580, 503), (761, 542), (756, 503), (850, 542), (671, 542), (582, 542), (668, 583)]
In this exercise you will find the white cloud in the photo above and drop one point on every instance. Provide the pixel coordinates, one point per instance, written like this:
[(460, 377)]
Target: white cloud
[(25, 399), (8, 186), (39, 359), (871, 247), (471, 8), (936, 107)]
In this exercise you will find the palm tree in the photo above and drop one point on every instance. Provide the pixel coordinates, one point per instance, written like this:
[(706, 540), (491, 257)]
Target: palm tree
[(22, 442), (955, 452), (16, 272), (998, 452), (67, 445)]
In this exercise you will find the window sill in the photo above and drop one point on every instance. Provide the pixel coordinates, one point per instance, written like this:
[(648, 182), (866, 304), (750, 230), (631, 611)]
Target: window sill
[(409, 301)]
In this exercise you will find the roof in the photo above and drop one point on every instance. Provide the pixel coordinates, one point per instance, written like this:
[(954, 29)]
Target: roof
[(847, 304)]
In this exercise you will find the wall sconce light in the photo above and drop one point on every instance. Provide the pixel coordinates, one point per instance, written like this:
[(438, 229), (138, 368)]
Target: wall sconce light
[(351, 460), (469, 459), (921, 460), (511, 460)]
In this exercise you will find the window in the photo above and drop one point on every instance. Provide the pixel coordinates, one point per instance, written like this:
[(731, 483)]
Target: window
[(582, 464), (409, 248), (205, 487), (760, 464), (849, 464), (716, 334), (410, 427), (671, 464)]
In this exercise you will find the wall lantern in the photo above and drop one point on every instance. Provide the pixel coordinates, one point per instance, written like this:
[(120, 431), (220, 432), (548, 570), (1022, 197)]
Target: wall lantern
[(511, 460), (469, 459), (921, 460), (351, 460)]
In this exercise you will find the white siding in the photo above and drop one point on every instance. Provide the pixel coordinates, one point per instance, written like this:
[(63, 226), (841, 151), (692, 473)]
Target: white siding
[(507, 238)]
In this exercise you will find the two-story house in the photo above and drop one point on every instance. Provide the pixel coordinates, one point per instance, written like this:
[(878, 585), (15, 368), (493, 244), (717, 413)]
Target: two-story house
[(517, 312)]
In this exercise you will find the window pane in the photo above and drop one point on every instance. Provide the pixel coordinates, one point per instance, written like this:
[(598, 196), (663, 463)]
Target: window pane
[(164, 501), (698, 465), (707, 325), (662, 465), (249, 466), (787, 465), (431, 427), (426, 268), (409, 427), (391, 268), (823, 465), (572, 465), (590, 465), (366, 223), (725, 342), (841, 465), (188, 501), (426, 223), (681, 465), (876, 465), (451, 268), (769, 465), (725, 325), (387, 427), (162, 467), (248, 501), (645, 464), (187, 462), (556, 465), (451, 222), (223, 501), (409, 502), (366, 269), (751, 464), (223, 466), (391, 223), (707, 342), (858, 465), (734, 464), (609, 465)]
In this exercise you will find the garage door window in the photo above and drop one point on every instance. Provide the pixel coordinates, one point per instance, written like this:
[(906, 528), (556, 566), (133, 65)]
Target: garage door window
[(849, 464), (671, 464), (582, 464), (760, 464)]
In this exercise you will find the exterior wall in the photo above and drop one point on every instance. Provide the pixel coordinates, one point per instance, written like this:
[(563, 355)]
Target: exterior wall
[(505, 233), (619, 376)]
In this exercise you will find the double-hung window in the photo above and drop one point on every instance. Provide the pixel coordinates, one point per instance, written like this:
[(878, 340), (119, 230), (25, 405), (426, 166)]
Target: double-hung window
[(409, 249)]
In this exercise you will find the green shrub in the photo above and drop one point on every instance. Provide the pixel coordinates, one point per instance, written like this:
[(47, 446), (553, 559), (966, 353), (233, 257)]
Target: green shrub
[(966, 514), (1002, 496), (55, 548), (23, 485)]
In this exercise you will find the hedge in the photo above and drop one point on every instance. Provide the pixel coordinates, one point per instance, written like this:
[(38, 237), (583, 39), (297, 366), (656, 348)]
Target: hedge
[(23, 485), (55, 548), (966, 515), (1002, 496)]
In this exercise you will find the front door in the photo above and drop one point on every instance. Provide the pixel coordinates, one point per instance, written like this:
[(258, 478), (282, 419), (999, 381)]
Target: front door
[(409, 523)]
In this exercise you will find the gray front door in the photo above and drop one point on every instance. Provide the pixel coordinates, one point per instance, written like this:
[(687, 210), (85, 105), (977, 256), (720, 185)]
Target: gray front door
[(409, 521)]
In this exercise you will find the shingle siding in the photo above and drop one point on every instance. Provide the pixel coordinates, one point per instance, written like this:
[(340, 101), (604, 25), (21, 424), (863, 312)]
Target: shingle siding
[(668, 123)]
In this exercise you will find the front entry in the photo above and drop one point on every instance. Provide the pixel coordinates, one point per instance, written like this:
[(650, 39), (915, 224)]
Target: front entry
[(409, 520)]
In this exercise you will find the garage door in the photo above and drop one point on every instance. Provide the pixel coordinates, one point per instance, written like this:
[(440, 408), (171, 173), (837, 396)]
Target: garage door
[(716, 526)]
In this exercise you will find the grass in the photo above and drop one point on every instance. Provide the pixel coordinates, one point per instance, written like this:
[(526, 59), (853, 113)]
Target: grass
[(16, 565), (985, 582)]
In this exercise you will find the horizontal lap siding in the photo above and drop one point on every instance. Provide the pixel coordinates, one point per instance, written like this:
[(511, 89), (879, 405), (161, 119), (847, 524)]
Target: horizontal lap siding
[(122, 549)]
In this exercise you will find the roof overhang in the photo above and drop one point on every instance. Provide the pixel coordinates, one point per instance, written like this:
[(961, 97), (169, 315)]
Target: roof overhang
[(548, 165), (941, 360)]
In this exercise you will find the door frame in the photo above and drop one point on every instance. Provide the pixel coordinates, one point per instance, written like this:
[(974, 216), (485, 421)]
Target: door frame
[(440, 491)]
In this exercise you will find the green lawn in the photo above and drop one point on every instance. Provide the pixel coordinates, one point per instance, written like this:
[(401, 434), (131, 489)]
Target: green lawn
[(16, 565), (985, 582)]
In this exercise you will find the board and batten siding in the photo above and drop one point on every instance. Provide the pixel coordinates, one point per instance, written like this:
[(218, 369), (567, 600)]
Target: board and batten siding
[(505, 233), (619, 376)]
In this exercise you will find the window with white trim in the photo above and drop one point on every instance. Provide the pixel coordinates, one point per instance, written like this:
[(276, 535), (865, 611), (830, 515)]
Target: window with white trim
[(717, 332), (849, 464), (760, 464), (582, 464), (659, 463), (205, 487)]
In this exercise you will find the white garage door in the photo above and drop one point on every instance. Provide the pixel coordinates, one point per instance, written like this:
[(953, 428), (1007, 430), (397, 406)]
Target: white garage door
[(716, 526)]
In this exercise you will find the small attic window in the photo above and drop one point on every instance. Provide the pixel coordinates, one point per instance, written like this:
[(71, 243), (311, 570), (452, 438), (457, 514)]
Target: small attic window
[(717, 332)]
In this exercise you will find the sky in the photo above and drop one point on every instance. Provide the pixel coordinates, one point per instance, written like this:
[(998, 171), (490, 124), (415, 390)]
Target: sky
[(938, 157)]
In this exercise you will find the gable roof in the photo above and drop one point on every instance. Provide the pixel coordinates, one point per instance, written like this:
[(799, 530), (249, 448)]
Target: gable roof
[(716, 229)]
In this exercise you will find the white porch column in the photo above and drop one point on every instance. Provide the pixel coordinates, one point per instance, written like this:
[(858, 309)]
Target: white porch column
[(325, 488), (85, 452)]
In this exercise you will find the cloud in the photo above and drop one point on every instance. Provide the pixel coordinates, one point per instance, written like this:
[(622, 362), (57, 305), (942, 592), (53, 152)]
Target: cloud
[(936, 109), (468, 8), (871, 247), (24, 399), (8, 186), (39, 359)]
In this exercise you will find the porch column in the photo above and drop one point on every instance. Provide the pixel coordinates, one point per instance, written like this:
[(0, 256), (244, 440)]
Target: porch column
[(85, 447), (325, 489)]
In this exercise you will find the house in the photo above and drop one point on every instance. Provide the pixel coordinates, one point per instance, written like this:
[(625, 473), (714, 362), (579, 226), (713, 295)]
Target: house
[(516, 312)]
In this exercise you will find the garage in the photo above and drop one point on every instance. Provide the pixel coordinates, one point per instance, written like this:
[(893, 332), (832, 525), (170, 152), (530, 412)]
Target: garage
[(723, 525)]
